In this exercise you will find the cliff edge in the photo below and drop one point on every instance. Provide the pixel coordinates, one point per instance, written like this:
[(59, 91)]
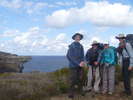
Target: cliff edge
[(12, 62)]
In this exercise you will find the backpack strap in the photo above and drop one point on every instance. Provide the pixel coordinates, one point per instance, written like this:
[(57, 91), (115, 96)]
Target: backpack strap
[(127, 50)]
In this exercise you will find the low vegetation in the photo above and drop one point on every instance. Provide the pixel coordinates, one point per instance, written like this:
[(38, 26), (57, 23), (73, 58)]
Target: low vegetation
[(38, 85)]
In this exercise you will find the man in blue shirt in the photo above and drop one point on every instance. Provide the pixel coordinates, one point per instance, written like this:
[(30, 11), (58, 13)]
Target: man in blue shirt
[(75, 56)]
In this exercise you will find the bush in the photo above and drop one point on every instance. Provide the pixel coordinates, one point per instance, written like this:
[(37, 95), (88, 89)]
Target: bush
[(37, 85)]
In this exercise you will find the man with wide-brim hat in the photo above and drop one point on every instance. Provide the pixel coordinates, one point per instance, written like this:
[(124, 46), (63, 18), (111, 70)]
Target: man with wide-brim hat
[(125, 50), (75, 56), (77, 34), (121, 36)]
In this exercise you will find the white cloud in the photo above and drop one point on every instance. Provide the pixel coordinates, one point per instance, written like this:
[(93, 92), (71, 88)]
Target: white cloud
[(99, 13), (33, 41), (61, 37), (31, 7), (65, 3), (113, 41), (11, 4), (28, 6), (9, 33)]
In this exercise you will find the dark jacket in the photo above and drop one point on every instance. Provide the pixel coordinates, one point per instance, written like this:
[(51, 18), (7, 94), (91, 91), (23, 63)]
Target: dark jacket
[(92, 55), (75, 54)]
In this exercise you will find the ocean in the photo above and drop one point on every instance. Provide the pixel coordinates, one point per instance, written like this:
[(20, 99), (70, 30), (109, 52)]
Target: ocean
[(45, 63)]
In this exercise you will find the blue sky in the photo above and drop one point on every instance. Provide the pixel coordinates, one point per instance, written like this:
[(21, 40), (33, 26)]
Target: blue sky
[(45, 27)]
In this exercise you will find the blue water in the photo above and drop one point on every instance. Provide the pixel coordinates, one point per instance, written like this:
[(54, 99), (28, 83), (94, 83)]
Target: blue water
[(45, 63)]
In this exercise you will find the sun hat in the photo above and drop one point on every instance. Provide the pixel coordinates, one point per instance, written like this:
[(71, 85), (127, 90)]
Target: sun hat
[(121, 36), (81, 36)]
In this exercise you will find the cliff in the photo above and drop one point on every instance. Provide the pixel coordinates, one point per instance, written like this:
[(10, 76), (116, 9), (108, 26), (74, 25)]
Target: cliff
[(12, 62)]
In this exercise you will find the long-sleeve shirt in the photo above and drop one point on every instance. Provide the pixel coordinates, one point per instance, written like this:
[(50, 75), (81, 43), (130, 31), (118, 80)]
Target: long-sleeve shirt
[(92, 55), (75, 54), (128, 53), (108, 56)]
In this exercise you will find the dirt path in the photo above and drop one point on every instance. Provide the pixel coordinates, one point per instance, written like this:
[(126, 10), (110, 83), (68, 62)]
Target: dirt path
[(91, 96)]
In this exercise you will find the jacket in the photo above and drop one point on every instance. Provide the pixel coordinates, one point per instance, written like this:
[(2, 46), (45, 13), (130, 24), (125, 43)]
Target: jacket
[(128, 53), (92, 55), (75, 54), (108, 56)]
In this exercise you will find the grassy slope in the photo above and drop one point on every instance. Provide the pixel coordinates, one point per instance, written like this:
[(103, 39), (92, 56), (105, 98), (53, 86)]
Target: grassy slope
[(42, 86)]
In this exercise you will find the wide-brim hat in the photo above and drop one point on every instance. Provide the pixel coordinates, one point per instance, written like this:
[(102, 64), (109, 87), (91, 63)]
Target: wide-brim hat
[(81, 36), (121, 36), (106, 43), (95, 43)]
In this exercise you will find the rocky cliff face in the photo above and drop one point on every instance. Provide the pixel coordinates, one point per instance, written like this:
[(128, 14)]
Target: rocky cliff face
[(12, 62)]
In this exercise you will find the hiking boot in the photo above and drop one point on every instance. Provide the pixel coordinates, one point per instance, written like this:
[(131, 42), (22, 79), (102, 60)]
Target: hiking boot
[(83, 93), (87, 90), (110, 93), (104, 92), (71, 96)]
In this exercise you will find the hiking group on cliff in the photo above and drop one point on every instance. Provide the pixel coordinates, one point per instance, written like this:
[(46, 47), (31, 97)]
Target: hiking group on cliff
[(101, 60)]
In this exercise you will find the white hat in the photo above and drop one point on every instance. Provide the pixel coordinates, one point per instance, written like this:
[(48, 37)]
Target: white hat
[(106, 43), (121, 36), (94, 42)]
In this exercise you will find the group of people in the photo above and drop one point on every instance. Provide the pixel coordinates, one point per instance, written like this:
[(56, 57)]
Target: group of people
[(101, 60)]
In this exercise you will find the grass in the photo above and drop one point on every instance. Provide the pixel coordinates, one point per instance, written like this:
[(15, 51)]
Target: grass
[(43, 86)]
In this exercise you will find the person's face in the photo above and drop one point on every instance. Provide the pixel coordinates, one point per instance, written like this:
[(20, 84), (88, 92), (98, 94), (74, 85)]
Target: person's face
[(106, 46), (121, 40), (94, 46), (77, 38)]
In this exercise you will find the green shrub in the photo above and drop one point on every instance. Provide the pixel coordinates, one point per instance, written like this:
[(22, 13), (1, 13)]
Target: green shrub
[(39, 86)]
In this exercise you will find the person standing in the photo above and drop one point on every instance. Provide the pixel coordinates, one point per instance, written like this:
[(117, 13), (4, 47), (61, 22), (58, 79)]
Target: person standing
[(93, 73), (108, 61), (75, 56), (126, 51)]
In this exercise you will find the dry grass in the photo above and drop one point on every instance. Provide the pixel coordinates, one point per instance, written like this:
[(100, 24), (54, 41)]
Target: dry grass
[(43, 86), (91, 96)]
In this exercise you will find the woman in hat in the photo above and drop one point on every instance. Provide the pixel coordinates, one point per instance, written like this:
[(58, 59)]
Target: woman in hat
[(108, 60), (75, 56)]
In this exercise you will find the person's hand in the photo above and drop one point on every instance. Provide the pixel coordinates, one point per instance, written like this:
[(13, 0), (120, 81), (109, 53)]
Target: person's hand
[(82, 64), (95, 63), (130, 68)]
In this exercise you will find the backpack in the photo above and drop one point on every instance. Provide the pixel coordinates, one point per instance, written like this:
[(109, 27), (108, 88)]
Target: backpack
[(100, 46), (129, 39)]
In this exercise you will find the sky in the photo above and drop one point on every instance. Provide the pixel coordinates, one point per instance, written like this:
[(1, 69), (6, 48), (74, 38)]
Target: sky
[(45, 27)]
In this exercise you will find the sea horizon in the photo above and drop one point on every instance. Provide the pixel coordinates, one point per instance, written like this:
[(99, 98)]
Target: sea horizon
[(45, 63)]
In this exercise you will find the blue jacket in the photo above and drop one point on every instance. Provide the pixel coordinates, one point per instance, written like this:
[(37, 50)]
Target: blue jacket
[(108, 56), (75, 54)]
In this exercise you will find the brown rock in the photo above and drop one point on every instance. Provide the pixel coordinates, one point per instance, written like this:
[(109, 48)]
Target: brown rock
[(12, 62)]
